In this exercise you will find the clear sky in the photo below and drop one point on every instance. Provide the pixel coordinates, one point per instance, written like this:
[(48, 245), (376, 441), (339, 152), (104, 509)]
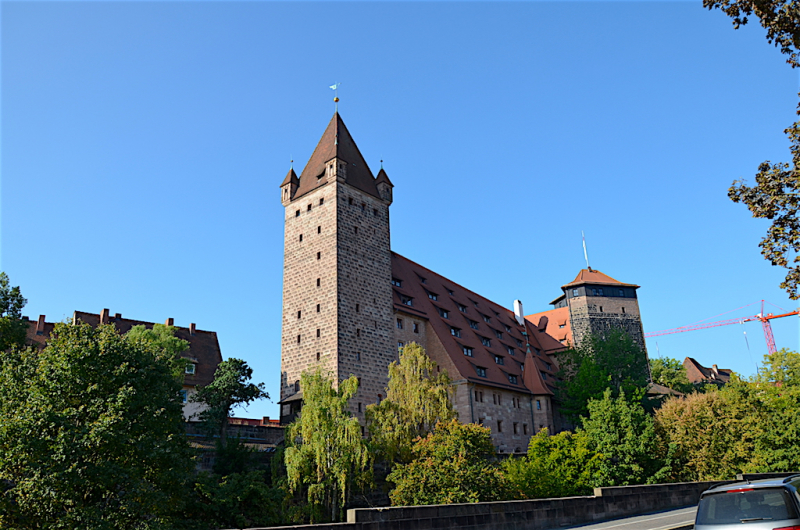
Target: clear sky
[(143, 144)]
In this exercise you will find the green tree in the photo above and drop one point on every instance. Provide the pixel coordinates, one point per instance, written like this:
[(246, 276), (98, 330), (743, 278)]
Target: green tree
[(775, 195), (12, 327), (670, 373), (451, 465), (326, 456), (624, 434), (91, 434), (163, 338), (230, 388), (612, 360), (561, 465), (781, 367), (416, 400), (238, 500)]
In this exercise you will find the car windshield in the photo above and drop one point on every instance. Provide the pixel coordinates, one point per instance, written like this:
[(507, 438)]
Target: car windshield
[(744, 505)]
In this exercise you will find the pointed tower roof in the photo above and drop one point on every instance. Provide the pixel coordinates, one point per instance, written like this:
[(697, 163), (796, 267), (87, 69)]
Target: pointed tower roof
[(593, 276), (291, 178), (336, 142), (383, 177)]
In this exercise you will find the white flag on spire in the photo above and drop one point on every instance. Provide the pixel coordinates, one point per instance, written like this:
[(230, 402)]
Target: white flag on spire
[(334, 87)]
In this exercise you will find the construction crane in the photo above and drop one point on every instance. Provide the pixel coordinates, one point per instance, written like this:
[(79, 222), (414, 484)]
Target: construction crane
[(764, 319)]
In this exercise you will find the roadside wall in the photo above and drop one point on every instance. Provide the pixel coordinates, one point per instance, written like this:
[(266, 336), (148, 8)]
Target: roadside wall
[(534, 514)]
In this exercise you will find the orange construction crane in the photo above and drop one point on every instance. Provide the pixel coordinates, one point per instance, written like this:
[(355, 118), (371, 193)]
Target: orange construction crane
[(764, 319)]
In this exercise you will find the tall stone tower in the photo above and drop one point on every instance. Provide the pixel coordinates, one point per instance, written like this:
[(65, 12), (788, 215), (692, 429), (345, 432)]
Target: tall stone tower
[(597, 302), (337, 272)]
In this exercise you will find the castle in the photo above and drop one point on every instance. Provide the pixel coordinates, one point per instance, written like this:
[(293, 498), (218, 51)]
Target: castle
[(350, 303)]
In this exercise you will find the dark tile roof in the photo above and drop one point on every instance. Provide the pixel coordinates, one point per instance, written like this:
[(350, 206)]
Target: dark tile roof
[(336, 142), (383, 177), (291, 177), (203, 345), (455, 307), (697, 373), (592, 276)]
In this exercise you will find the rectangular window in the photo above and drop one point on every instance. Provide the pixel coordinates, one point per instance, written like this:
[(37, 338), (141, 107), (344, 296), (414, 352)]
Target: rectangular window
[(184, 396), (510, 350), (317, 332), (600, 292), (462, 308), (498, 334), (297, 213), (601, 309), (524, 428), (538, 405), (358, 356), (189, 369), (594, 292), (498, 359), (358, 332), (421, 279), (623, 310), (561, 326), (318, 282), (481, 371), (499, 425), (450, 292), (494, 399), (519, 343), (574, 292), (350, 200), (473, 324), (544, 375), (298, 339), (301, 238), (319, 229), (356, 230), (433, 296), (486, 319), (318, 355), (359, 407), (375, 212), (516, 428), (317, 308), (358, 308), (512, 379), (467, 351), (456, 332), (443, 313), (321, 201), (399, 323), (508, 328), (406, 300), (621, 292), (399, 345), (486, 342), (416, 327), (397, 283), (319, 255)]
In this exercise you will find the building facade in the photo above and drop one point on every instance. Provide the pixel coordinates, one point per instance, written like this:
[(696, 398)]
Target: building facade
[(350, 304)]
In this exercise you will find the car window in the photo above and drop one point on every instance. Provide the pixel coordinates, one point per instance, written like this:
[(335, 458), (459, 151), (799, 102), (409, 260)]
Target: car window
[(745, 504)]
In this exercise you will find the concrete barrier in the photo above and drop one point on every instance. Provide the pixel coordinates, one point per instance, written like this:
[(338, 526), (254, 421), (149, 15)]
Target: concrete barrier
[(532, 514)]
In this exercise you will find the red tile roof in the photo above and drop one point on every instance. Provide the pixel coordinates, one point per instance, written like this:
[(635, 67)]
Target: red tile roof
[(462, 307), (697, 373), (203, 345), (336, 142), (291, 177), (555, 323), (592, 276)]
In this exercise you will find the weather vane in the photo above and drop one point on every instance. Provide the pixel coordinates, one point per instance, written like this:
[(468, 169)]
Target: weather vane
[(335, 89)]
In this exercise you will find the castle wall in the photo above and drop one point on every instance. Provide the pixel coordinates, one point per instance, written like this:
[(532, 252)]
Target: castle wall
[(598, 314)]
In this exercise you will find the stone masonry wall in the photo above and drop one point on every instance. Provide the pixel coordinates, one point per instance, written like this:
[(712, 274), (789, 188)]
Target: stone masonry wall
[(366, 341), (597, 314)]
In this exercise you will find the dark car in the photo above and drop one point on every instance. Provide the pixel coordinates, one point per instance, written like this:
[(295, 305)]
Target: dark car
[(769, 504)]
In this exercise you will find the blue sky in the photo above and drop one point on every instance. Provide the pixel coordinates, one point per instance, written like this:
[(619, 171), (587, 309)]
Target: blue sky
[(143, 144)]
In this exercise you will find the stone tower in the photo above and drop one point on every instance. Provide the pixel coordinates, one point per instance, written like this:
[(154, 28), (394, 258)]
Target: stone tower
[(597, 302), (337, 272)]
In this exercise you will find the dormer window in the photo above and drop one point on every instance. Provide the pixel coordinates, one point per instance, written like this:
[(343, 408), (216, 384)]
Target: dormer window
[(512, 379), (432, 296), (486, 342), (443, 313), (510, 350), (473, 324), (498, 359), (498, 334), (508, 328), (450, 292), (189, 369), (519, 343), (397, 283), (406, 300), (481, 371), (462, 308), (456, 332), (486, 319), (467, 351)]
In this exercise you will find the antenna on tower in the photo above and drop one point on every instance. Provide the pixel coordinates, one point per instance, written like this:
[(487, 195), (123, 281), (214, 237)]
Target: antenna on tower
[(585, 254), (335, 88)]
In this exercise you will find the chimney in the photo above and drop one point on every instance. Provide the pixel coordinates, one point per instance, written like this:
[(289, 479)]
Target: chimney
[(104, 316), (40, 325), (714, 367), (518, 313), (117, 316), (191, 328), (265, 420), (170, 322)]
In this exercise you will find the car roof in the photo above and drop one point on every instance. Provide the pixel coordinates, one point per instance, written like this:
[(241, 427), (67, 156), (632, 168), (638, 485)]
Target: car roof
[(761, 483)]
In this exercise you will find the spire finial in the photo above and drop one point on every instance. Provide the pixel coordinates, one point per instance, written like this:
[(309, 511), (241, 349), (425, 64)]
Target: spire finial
[(381, 164), (291, 164), (335, 88)]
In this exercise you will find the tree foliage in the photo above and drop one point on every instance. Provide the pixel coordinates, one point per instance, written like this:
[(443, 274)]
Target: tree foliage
[(781, 367), (326, 456), (238, 500), (775, 195), (452, 464), (670, 373), (612, 361), (91, 433), (416, 400), (12, 327), (624, 434), (561, 465), (231, 387)]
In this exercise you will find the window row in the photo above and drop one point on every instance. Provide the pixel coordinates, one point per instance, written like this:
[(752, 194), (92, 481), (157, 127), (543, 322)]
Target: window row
[(414, 324), (308, 208), (363, 206)]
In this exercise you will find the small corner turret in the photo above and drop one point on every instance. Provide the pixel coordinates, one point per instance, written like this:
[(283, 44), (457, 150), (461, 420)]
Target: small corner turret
[(289, 187), (384, 186)]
